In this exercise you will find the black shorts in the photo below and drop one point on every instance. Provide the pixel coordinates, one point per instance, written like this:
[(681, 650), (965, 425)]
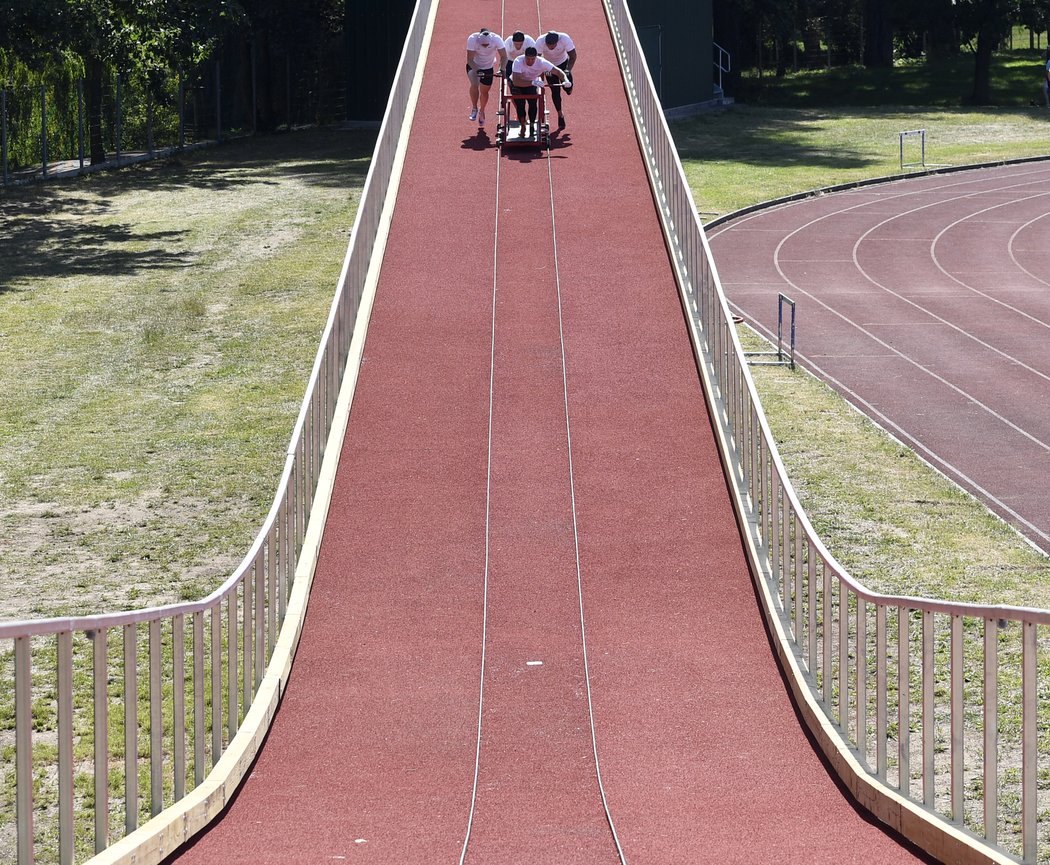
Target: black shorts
[(479, 76)]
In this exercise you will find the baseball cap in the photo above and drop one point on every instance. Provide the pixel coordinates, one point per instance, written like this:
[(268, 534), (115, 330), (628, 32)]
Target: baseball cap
[(551, 38), (484, 37)]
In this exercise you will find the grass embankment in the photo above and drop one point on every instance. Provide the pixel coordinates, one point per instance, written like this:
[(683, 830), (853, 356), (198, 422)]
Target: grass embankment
[(159, 325), (895, 522)]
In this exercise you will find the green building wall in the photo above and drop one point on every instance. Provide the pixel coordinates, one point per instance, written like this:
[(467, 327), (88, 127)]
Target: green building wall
[(676, 36), (375, 36)]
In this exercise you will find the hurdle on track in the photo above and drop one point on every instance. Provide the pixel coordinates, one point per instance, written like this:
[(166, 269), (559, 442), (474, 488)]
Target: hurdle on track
[(782, 358), (914, 133)]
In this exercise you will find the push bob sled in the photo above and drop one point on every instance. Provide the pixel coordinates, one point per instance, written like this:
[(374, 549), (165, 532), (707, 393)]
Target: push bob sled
[(539, 133)]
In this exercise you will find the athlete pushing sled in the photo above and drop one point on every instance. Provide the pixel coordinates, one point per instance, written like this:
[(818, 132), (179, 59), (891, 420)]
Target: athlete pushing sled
[(528, 73)]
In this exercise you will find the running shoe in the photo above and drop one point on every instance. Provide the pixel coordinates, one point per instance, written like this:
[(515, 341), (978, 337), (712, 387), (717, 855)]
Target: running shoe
[(481, 118), (473, 113)]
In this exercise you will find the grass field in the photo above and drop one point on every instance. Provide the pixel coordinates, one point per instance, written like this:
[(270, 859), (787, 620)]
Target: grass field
[(748, 154), (813, 129), (159, 325)]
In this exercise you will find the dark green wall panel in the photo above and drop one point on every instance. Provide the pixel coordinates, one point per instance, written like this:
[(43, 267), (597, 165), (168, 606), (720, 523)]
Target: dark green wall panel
[(676, 36), (375, 36)]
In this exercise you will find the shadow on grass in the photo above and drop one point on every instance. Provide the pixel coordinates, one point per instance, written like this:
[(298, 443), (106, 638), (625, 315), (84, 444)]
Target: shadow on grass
[(49, 229), (324, 156), (763, 138), (1016, 80), (41, 246)]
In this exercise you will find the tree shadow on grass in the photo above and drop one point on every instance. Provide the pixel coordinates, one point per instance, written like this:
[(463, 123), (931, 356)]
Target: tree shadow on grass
[(43, 245), (780, 122), (322, 156), (762, 138), (50, 229), (1016, 81)]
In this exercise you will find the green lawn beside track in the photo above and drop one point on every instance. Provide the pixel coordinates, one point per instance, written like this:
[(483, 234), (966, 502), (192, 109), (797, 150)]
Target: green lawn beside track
[(748, 154)]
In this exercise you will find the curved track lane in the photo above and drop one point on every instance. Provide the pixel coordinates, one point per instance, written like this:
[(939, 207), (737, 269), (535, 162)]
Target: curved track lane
[(925, 302), (529, 452)]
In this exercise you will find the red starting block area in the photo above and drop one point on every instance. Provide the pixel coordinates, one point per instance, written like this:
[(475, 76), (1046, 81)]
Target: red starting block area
[(533, 636)]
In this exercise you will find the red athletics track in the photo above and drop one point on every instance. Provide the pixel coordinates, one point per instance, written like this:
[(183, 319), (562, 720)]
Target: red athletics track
[(926, 303), (372, 755)]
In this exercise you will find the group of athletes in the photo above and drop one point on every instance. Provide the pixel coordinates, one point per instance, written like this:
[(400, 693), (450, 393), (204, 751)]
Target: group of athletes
[(525, 62)]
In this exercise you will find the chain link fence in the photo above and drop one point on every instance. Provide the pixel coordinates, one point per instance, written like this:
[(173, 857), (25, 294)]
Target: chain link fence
[(61, 127)]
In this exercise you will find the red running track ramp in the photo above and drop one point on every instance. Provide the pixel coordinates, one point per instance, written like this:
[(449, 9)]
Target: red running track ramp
[(372, 755)]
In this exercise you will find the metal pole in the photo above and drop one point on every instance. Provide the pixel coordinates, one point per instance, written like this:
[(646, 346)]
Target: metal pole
[(288, 90), (80, 121), (780, 328), (182, 113), (65, 748), (254, 100), (101, 728), (24, 750), (218, 101), (3, 131), (1029, 742), (43, 130), (118, 120), (131, 730)]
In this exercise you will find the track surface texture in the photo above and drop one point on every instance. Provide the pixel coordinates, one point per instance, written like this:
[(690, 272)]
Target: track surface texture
[(925, 302), (530, 475)]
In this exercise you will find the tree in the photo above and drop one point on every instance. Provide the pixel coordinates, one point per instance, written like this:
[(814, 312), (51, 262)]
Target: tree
[(154, 37), (24, 38), (989, 22), (878, 33), (1035, 15)]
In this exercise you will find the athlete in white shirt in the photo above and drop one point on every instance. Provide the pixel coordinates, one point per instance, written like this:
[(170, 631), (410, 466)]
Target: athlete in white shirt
[(516, 44), (485, 53), (527, 74), (560, 50)]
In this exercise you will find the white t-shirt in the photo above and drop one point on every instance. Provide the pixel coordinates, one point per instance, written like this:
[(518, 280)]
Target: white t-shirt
[(540, 66), (514, 53), (485, 57), (559, 53)]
